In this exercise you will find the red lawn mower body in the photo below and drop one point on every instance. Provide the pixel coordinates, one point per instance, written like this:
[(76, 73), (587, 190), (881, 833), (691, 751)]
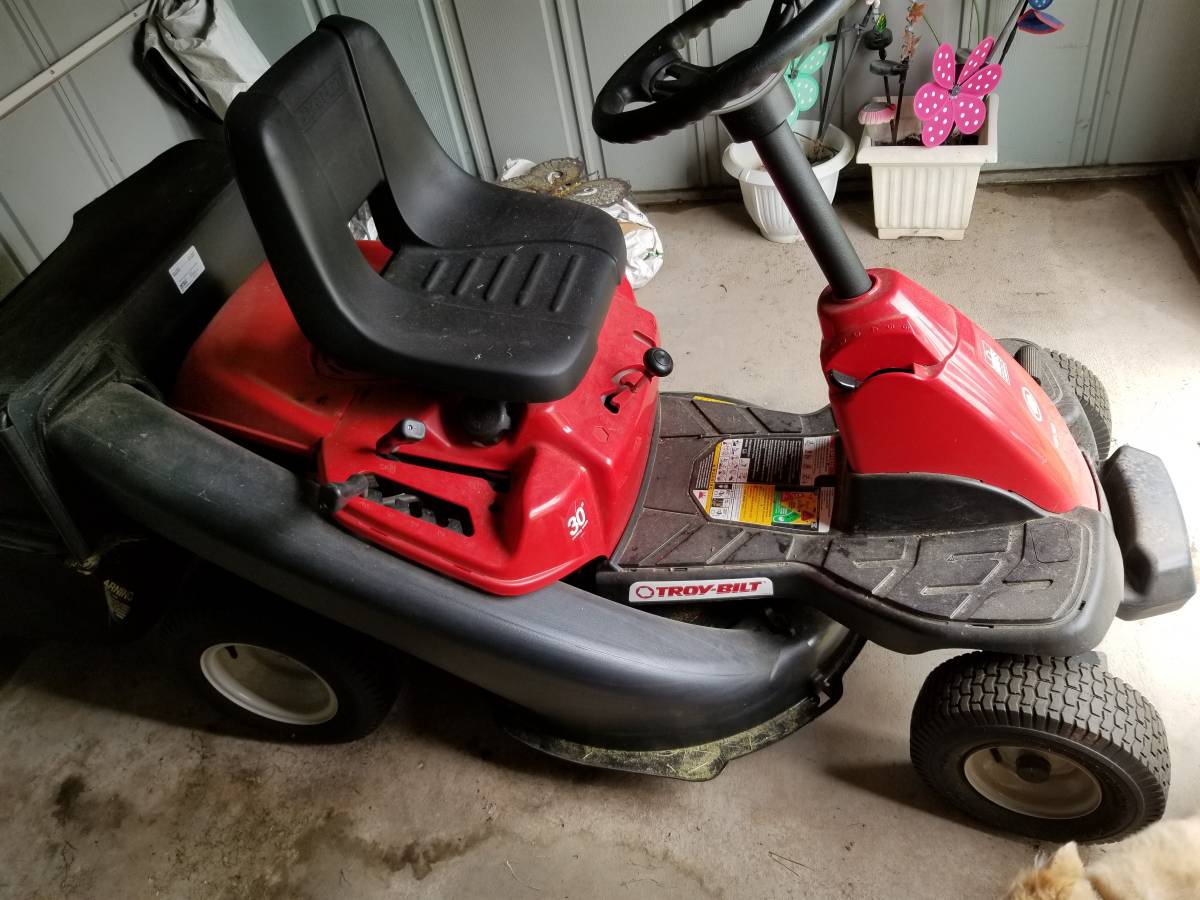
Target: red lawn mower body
[(570, 471), (935, 394)]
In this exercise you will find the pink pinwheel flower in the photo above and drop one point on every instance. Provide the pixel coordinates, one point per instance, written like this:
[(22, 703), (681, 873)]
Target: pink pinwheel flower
[(944, 105)]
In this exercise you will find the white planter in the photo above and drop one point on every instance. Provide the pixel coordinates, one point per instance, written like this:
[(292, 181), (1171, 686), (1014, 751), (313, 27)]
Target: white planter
[(925, 191), (761, 197)]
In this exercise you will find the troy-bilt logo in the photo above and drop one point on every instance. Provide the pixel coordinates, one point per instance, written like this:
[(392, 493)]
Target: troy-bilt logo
[(690, 591)]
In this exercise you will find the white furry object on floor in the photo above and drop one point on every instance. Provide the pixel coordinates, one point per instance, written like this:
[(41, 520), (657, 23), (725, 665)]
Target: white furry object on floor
[(1160, 863)]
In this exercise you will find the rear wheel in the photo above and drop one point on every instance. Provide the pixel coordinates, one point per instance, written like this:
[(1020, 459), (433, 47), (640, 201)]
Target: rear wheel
[(280, 669), (1092, 397), (1050, 748)]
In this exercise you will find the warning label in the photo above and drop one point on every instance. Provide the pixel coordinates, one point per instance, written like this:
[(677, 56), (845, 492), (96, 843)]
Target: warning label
[(769, 481)]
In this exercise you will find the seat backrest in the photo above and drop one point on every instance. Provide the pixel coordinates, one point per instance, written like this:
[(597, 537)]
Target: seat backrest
[(308, 152), (332, 124)]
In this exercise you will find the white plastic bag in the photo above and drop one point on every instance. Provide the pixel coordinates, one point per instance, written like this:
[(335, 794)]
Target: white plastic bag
[(643, 244), (205, 44)]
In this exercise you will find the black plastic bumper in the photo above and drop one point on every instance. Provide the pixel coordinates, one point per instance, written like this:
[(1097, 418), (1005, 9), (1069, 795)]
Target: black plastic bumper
[(1151, 532), (592, 670)]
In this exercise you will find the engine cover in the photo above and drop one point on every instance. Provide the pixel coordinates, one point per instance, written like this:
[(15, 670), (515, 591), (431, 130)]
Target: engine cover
[(554, 493), (916, 386)]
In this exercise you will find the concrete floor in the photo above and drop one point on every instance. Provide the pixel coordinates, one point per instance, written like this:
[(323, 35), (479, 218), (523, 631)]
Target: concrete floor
[(113, 783)]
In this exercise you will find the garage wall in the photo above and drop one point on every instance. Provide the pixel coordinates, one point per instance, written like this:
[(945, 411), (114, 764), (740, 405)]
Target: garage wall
[(75, 140), (413, 33), (502, 78), (1097, 92)]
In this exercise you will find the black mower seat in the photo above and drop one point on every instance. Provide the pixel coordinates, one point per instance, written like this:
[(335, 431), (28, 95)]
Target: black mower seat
[(491, 292)]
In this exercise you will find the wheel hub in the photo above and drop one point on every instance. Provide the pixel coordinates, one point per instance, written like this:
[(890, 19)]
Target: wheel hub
[(269, 683), (1033, 768), (1032, 781)]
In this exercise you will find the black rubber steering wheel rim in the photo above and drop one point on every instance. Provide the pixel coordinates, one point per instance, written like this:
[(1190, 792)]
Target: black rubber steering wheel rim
[(679, 92)]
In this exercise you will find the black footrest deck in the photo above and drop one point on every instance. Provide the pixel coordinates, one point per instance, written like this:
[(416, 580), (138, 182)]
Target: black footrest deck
[(737, 492)]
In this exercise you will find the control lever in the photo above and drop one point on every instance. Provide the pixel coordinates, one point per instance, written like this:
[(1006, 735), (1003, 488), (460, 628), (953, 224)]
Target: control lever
[(656, 363), (406, 431), (334, 495)]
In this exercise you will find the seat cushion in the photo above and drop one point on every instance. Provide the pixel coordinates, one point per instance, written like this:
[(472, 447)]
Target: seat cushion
[(517, 321)]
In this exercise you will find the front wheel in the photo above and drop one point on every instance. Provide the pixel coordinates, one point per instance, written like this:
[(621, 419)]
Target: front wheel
[(285, 672), (1051, 748), (1092, 397)]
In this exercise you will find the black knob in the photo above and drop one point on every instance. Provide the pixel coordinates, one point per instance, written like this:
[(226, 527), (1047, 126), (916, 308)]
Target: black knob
[(485, 422), (658, 362)]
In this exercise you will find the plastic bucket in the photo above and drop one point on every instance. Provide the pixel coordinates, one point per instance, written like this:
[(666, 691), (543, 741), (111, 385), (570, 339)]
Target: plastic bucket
[(759, 193)]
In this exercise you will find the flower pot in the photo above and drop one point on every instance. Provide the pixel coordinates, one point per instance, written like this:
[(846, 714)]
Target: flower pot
[(761, 197), (925, 191)]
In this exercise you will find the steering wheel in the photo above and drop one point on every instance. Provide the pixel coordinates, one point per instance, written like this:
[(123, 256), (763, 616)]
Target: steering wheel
[(679, 92)]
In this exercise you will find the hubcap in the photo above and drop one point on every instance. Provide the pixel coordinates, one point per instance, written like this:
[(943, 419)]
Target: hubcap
[(269, 684), (1033, 782)]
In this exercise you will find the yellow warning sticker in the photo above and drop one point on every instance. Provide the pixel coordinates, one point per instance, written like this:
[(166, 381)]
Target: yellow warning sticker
[(770, 482)]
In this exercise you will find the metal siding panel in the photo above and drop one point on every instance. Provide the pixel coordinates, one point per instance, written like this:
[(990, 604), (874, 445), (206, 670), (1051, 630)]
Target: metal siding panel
[(16, 241), (459, 65), (709, 133), (1119, 43), (50, 32), (46, 173), (1158, 114), (409, 28), (11, 272), (59, 26), (1093, 80), (46, 169), (1043, 91), (520, 77), (734, 33), (581, 82), (122, 121), (133, 121), (738, 30), (277, 25), (612, 31), (17, 255), (19, 60)]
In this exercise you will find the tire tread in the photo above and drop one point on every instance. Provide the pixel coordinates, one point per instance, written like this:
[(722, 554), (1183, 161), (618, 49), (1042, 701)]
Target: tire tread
[(1066, 697), (1092, 396)]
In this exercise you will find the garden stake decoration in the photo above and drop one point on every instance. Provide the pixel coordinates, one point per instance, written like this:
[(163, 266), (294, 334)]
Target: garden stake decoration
[(908, 46), (860, 31), (799, 77), (1037, 22), (879, 39), (944, 104), (1031, 18), (947, 103)]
